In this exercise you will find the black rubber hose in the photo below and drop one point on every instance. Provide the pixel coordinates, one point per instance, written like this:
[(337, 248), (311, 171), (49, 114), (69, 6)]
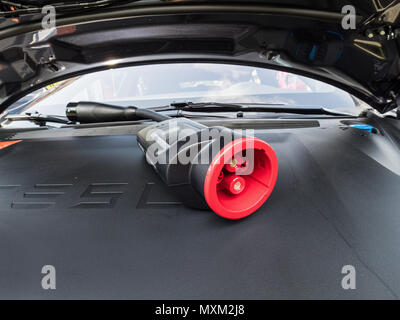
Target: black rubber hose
[(94, 112), (150, 114)]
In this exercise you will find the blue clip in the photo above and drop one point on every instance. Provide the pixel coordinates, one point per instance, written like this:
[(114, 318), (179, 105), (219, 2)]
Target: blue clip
[(365, 127)]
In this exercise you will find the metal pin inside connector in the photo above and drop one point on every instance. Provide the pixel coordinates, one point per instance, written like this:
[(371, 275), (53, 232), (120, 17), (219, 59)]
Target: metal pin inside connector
[(237, 186)]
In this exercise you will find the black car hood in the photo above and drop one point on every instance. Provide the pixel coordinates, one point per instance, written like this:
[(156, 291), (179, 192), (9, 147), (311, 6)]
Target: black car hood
[(304, 37)]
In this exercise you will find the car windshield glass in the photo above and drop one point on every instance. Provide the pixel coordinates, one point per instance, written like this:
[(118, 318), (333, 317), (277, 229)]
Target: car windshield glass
[(155, 85)]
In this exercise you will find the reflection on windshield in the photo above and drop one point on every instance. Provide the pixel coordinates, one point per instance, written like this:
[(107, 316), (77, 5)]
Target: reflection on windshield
[(193, 80), (154, 85)]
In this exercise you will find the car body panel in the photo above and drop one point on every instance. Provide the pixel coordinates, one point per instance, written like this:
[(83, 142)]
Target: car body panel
[(89, 204)]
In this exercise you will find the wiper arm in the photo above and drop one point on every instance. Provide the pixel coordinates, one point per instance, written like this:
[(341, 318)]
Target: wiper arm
[(232, 107), (95, 112), (37, 118)]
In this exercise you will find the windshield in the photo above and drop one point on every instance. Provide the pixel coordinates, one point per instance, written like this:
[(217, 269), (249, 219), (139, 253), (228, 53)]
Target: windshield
[(162, 84)]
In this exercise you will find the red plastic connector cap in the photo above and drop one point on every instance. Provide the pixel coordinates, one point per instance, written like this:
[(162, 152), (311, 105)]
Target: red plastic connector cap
[(259, 182)]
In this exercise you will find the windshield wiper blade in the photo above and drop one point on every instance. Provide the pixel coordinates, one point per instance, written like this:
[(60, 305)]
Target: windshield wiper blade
[(234, 107), (39, 119)]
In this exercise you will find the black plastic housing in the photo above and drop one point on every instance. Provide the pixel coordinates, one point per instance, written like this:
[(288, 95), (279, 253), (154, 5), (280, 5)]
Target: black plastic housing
[(94, 112), (186, 179)]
